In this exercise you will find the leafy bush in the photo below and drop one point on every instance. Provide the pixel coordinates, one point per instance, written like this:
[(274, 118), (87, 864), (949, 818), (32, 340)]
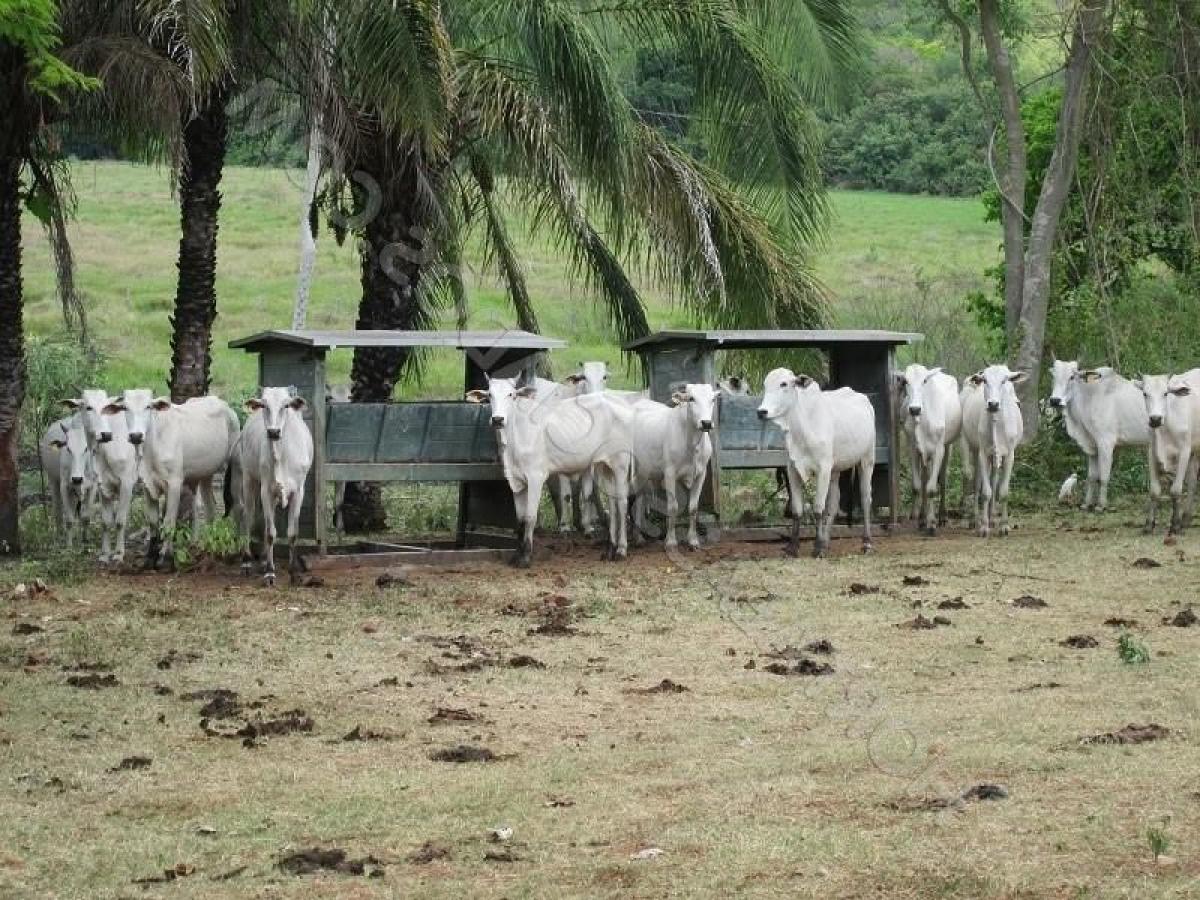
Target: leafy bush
[(1132, 651), (57, 368)]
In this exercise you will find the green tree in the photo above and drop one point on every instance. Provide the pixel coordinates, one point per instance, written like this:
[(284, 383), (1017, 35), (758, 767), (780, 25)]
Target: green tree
[(34, 82), (444, 115)]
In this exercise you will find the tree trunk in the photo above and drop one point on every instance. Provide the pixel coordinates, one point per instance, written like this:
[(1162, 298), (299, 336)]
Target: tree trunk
[(393, 254), (1056, 187), (196, 295), (1015, 173), (12, 349)]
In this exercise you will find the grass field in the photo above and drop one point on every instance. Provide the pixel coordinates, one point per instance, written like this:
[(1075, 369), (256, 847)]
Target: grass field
[(750, 783), (891, 261)]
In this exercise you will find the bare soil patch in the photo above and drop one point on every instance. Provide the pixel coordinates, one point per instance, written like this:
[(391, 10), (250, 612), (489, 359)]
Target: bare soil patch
[(1130, 734)]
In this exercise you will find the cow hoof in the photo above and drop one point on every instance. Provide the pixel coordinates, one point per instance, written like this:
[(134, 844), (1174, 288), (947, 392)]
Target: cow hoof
[(619, 554), (269, 579), (792, 550), (1003, 531), (982, 532), (819, 552), (929, 531), (868, 548), (246, 570), (693, 546)]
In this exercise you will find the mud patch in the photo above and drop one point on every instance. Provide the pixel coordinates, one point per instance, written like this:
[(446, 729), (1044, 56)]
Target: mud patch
[(393, 578), (557, 624), (316, 859), (1145, 562), (921, 804), (501, 856), (1118, 622), (174, 656), (26, 628), (464, 753), (427, 853), (358, 733), (858, 589), (1080, 642), (1028, 601), (805, 667), (985, 792), (1185, 618), (132, 764), (523, 661), (915, 581), (920, 623), (953, 603), (180, 870), (446, 715), (666, 686), (1130, 734), (1040, 686), (823, 646), (93, 681)]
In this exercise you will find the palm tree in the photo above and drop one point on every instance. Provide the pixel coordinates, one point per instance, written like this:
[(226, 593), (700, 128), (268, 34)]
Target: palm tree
[(446, 115), (33, 83)]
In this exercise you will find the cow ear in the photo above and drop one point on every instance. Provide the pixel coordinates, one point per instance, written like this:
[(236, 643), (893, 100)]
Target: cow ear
[(55, 442), (976, 379), (254, 404), (803, 381), (526, 392), (1017, 377), (936, 370), (735, 382), (1182, 391), (679, 397), (297, 403), (574, 379), (113, 408), (71, 404), (476, 396), (161, 403), (901, 381), (1137, 383)]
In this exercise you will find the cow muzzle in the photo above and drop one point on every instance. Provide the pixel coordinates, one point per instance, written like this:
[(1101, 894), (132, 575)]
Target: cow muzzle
[(497, 421), (273, 434), (135, 438), (762, 414), (993, 406), (1156, 421), (77, 480), (914, 411), (1056, 402), (706, 425), (105, 437)]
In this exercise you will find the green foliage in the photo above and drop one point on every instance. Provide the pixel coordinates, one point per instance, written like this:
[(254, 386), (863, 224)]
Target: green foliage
[(1132, 651), (33, 26), (910, 136), (1158, 839), (57, 368)]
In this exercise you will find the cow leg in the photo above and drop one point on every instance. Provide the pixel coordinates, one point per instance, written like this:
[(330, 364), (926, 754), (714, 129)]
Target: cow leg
[(121, 519), (1190, 489), (249, 510), (983, 481), (866, 469), (1182, 469), (619, 509), (587, 515), (833, 502), (1002, 489), (823, 491), (932, 492), (339, 501), (295, 563), (916, 473), (638, 538), (108, 511), (671, 492), (560, 491), (210, 501), (266, 497), (1154, 489), (167, 526), (694, 490), (528, 518), (1093, 481), (942, 473), (796, 507), (1104, 461)]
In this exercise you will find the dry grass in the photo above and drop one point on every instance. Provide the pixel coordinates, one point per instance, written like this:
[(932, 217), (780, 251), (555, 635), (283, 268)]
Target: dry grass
[(751, 783)]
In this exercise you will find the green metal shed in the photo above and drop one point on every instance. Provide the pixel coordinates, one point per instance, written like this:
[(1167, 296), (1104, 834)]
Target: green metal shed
[(430, 441), (862, 360)]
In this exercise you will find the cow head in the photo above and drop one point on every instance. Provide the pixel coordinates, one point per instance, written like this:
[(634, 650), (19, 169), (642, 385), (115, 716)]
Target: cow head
[(1157, 391), (911, 384), (734, 386), (275, 404), (1063, 375), (73, 449), (780, 389), (136, 404), (592, 378), (90, 405), (500, 395), (338, 393), (997, 383), (701, 402)]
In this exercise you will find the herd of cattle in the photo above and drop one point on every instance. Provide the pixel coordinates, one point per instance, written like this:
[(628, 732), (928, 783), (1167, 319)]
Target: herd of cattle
[(572, 436)]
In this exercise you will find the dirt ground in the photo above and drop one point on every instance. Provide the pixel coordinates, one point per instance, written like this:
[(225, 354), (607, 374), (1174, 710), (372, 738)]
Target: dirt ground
[(945, 718)]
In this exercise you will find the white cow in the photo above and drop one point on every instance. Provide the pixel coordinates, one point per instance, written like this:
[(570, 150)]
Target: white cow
[(970, 400), (672, 446), (115, 463), (182, 445), (997, 420), (275, 453), (932, 418), (826, 433), (538, 440), (70, 475), (1101, 411), (1172, 405)]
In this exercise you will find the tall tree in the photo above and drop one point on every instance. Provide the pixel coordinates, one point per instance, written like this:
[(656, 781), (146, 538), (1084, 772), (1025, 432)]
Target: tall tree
[(447, 114), (33, 83), (1029, 242)]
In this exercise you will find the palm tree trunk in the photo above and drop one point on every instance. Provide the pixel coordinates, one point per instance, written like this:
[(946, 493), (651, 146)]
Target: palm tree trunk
[(392, 257), (12, 349), (196, 295)]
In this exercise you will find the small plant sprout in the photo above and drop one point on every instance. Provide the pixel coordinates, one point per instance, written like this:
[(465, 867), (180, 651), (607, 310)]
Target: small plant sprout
[(1158, 839), (1132, 651)]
